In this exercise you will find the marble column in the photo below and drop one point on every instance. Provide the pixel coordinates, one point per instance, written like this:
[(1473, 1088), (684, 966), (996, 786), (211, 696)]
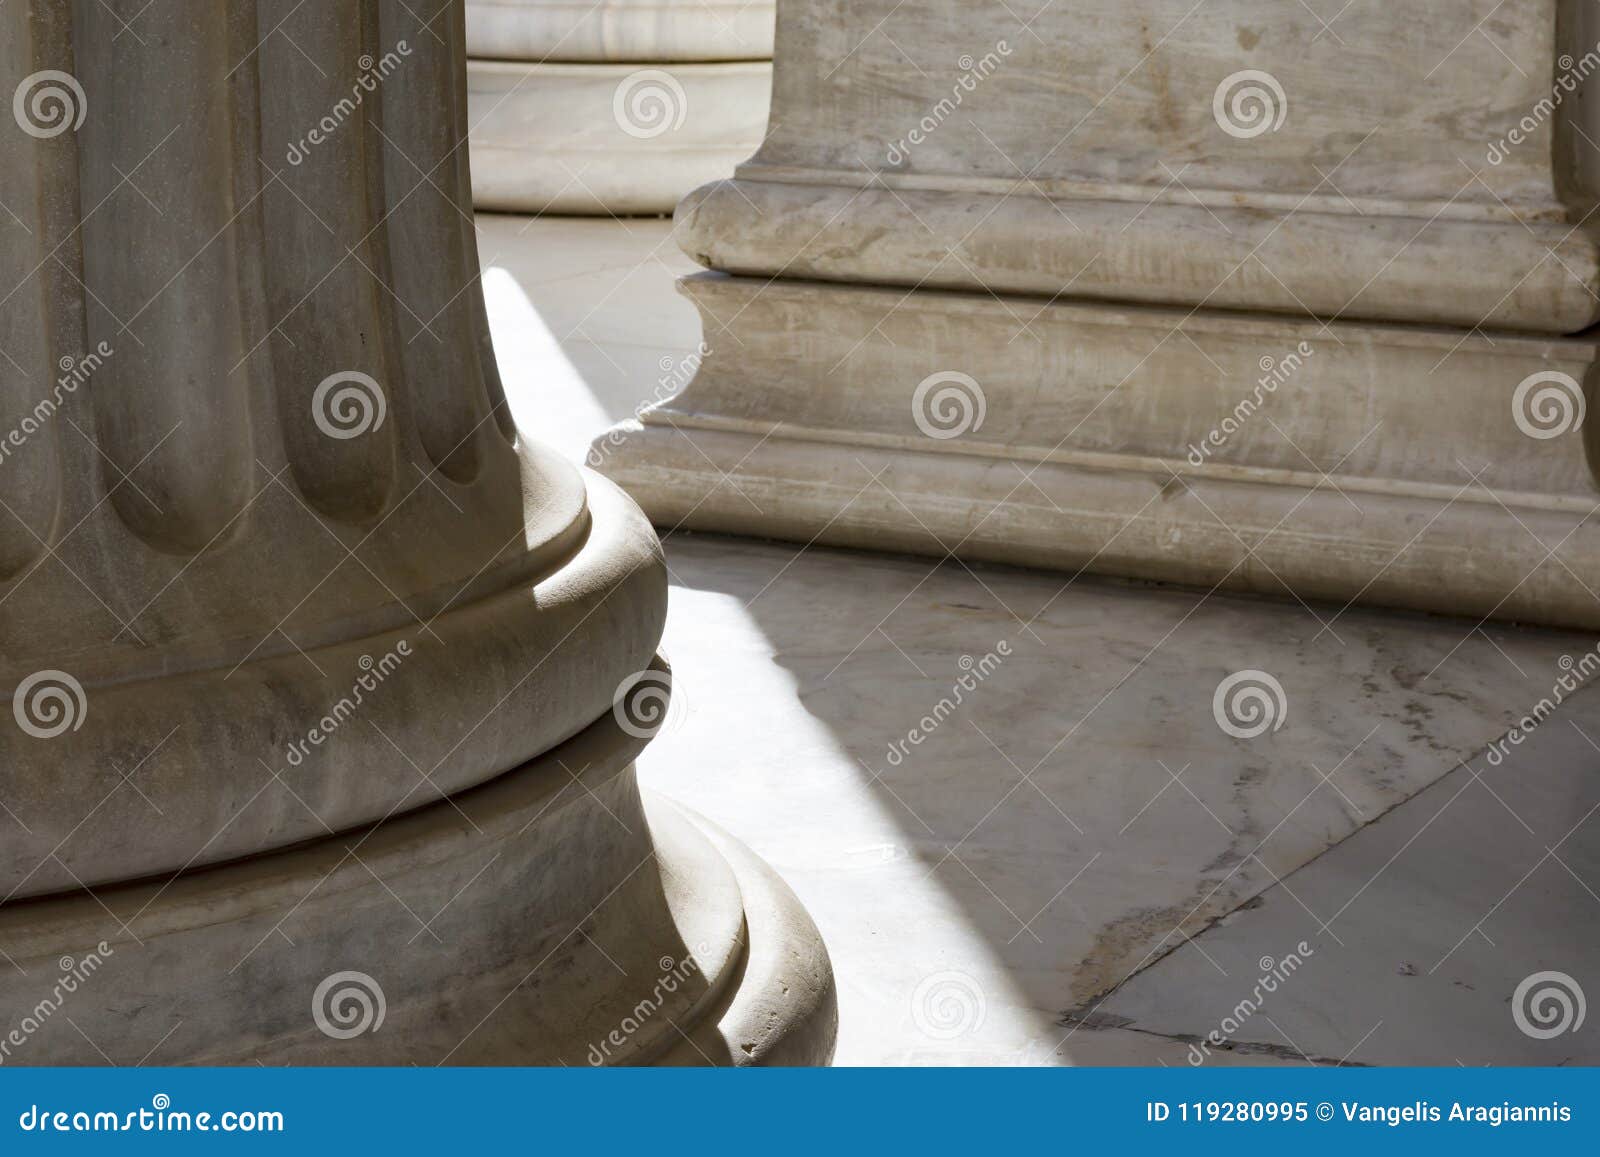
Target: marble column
[(326, 683), (620, 106), (1288, 298)]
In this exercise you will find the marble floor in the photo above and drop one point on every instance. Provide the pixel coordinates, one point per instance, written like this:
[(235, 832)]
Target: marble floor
[(1056, 819)]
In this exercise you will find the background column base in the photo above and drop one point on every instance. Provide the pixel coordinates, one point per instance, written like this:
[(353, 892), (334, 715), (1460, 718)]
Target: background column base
[(1407, 466)]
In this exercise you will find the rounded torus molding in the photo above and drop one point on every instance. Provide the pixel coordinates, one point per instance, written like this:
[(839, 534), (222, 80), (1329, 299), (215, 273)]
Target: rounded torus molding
[(556, 915), (609, 138), (116, 777), (619, 30)]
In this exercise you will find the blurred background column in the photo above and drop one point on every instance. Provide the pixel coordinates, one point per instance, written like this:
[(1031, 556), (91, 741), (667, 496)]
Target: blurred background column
[(619, 107)]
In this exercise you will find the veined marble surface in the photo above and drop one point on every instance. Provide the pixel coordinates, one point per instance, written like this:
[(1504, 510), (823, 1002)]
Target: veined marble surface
[(1422, 927), (1081, 813)]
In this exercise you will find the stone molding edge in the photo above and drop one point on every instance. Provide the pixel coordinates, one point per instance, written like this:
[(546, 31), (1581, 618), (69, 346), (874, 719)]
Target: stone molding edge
[(607, 601), (1066, 190), (1354, 380), (1384, 268), (783, 1007), (1203, 533), (810, 396), (687, 422), (546, 137), (494, 867), (584, 30), (559, 533)]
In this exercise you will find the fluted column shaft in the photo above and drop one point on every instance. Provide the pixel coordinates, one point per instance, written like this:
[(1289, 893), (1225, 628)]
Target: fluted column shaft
[(326, 684), (257, 440)]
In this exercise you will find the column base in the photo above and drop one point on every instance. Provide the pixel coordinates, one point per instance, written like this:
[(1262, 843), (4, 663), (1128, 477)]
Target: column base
[(608, 138), (552, 916), (1394, 465), (620, 30)]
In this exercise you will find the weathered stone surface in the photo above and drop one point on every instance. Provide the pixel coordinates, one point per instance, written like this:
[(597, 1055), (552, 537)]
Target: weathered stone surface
[(617, 30), (617, 107), (608, 138), (309, 649), (1346, 254), (1418, 161), (540, 919)]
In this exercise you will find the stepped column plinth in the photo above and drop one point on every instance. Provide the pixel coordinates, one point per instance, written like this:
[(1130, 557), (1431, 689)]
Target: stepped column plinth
[(1244, 295), (612, 106)]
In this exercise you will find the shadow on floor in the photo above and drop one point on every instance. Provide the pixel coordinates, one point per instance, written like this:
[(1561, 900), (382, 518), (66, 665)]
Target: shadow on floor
[(1048, 754)]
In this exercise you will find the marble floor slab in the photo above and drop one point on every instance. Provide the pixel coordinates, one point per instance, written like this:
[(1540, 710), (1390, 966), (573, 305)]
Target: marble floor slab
[(1423, 927), (1080, 812), (587, 326), (1003, 794)]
